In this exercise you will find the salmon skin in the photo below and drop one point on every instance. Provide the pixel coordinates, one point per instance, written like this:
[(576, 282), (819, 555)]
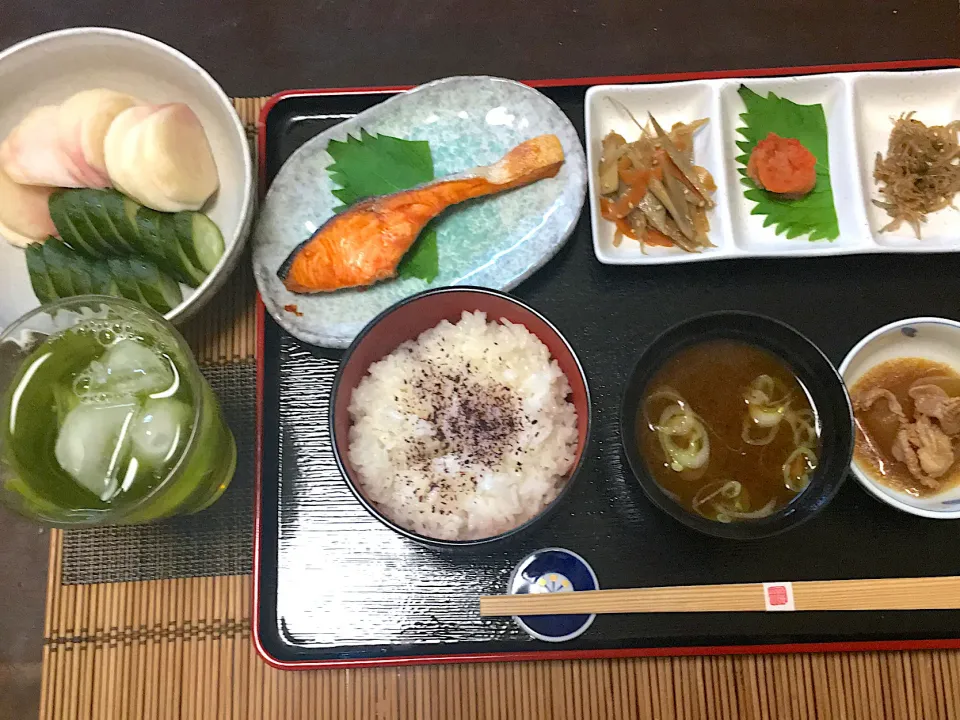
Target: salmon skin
[(364, 244)]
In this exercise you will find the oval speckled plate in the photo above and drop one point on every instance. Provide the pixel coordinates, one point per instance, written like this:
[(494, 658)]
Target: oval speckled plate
[(494, 242)]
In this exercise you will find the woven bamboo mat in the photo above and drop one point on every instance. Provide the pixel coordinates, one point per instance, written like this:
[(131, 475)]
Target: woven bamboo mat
[(181, 648)]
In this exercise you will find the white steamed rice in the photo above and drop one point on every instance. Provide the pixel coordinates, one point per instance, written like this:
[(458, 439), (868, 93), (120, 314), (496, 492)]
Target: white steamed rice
[(465, 432)]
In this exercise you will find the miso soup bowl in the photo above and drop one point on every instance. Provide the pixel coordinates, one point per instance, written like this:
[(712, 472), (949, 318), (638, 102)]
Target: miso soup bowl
[(406, 321), (814, 371)]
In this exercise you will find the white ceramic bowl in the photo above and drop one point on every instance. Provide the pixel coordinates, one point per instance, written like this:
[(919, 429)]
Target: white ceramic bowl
[(936, 339), (49, 68)]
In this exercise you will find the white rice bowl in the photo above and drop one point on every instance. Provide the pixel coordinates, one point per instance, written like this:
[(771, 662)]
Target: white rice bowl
[(464, 433)]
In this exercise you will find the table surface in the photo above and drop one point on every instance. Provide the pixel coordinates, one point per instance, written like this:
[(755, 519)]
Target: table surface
[(257, 48)]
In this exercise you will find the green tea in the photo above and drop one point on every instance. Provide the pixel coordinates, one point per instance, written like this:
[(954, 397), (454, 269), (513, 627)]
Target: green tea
[(107, 421)]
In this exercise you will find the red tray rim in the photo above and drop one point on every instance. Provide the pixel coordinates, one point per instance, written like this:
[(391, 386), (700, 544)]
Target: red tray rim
[(401, 661)]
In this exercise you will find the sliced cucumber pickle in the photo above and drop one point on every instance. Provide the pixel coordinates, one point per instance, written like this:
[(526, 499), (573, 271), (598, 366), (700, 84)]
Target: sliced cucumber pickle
[(126, 283), (200, 239), (121, 212), (102, 281), (39, 278), (191, 274), (110, 245), (159, 290), (74, 206), (80, 274), (68, 233), (58, 258), (154, 247), (94, 204)]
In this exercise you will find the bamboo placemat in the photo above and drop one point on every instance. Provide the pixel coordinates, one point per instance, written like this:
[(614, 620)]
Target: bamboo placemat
[(181, 648)]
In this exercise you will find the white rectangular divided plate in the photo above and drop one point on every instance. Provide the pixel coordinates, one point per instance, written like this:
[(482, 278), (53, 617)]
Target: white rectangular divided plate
[(860, 109)]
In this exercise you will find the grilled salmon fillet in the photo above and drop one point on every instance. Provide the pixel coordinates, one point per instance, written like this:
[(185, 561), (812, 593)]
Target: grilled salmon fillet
[(364, 244)]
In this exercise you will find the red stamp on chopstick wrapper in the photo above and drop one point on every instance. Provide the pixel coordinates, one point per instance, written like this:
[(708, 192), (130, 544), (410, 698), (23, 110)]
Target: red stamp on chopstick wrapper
[(778, 596)]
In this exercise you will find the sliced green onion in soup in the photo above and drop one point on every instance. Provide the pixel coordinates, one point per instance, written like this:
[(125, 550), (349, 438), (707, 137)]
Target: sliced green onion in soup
[(798, 467), (683, 438), (803, 424), (726, 489), (767, 401), (728, 501), (721, 496), (662, 393), (725, 516), (753, 434)]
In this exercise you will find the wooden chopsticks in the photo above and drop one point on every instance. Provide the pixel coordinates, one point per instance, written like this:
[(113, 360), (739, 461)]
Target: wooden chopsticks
[(929, 593)]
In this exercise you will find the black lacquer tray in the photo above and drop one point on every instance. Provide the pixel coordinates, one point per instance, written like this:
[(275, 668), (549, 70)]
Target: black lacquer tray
[(333, 586)]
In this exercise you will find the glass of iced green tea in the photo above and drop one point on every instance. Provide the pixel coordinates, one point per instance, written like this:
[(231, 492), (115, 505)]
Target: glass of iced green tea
[(106, 418)]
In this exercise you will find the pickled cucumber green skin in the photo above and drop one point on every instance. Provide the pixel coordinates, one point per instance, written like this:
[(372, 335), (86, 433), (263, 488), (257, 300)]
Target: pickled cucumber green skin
[(101, 281), (74, 205), (58, 259), (56, 272), (166, 227), (200, 239), (126, 284), (66, 229), (39, 278), (95, 207), (160, 292), (41, 490), (101, 224), (164, 249), (80, 276), (127, 218), (148, 231)]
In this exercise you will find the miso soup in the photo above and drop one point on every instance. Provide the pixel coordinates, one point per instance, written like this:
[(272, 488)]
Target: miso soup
[(728, 431)]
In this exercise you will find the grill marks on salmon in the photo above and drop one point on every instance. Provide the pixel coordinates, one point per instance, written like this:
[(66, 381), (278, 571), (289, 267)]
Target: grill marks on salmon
[(364, 244)]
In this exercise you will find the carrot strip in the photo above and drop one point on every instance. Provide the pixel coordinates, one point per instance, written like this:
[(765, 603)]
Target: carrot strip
[(655, 237)]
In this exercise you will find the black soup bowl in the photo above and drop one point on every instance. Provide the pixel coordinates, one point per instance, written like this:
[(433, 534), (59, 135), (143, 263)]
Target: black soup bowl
[(811, 367)]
